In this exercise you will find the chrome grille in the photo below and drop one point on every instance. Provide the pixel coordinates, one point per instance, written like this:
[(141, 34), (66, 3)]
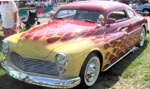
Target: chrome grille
[(34, 65)]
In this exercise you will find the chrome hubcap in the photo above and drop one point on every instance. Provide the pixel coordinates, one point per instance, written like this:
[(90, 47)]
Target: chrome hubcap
[(142, 37), (146, 12), (92, 71)]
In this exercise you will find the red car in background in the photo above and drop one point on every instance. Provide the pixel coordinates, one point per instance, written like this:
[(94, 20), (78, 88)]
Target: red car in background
[(82, 40)]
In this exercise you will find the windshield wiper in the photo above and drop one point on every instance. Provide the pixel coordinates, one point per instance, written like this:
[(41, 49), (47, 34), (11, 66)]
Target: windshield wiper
[(59, 18)]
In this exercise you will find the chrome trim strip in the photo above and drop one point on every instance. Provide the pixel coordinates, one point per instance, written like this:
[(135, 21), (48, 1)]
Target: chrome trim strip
[(40, 80), (131, 50), (139, 28)]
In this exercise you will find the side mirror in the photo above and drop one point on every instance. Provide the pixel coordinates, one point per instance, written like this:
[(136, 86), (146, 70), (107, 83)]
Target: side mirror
[(111, 20), (51, 14), (101, 19)]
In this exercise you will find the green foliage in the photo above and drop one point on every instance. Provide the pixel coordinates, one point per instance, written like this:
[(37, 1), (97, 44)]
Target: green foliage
[(22, 29)]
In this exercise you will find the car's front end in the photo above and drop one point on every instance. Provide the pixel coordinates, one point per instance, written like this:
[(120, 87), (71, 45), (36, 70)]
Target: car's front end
[(45, 71), (39, 79), (43, 57)]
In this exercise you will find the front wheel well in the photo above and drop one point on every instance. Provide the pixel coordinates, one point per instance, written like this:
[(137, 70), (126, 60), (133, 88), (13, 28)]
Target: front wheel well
[(91, 69), (145, 29), (99, 55)]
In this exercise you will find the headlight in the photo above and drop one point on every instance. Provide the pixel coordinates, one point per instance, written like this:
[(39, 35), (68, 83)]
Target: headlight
[(61, 61), (5, 48)]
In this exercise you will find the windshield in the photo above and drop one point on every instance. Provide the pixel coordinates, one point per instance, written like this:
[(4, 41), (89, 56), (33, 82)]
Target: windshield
[(76, 14)]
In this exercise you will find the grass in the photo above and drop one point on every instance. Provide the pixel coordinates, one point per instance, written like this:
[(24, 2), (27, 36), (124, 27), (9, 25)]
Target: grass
[(133, 72)]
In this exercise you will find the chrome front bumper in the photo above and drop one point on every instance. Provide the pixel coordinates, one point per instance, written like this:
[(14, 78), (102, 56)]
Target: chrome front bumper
[(40, 80)]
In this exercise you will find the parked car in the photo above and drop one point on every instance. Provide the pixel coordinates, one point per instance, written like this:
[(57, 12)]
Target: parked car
[(142, 8), (145, 8), (83, 39)]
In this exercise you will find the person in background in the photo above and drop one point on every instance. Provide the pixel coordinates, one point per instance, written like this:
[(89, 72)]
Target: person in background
[(54, 2), (10, 18)]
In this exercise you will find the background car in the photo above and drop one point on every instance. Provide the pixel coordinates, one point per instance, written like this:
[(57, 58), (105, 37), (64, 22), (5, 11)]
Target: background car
[(82, 40), (144, 9)]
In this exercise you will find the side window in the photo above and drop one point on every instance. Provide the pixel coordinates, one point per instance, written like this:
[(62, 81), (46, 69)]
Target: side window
[(131, 14), (65, 13), (119, 15), (88, 15)]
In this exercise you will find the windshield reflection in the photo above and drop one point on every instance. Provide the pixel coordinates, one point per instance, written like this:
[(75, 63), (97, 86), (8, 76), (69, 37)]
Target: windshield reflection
[(84, 15)]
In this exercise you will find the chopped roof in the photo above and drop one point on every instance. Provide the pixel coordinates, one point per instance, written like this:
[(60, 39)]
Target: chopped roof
[(95, 5)]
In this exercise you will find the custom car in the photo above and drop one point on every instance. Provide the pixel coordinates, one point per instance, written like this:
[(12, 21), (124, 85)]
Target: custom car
[(81, 40)]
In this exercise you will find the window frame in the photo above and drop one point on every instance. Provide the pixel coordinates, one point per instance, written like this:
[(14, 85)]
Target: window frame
[(119, 20), (129, 14)]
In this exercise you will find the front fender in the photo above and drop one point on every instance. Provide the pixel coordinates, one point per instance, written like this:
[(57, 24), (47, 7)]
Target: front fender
[(76, 53)]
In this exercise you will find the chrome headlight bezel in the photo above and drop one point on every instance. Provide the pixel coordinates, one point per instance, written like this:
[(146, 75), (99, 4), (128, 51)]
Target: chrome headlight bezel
[(5, 47), (61, 60)]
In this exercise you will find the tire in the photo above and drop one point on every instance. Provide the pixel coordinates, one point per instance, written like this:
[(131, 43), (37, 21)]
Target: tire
[(146, 12), (142, 37), (90, 70)]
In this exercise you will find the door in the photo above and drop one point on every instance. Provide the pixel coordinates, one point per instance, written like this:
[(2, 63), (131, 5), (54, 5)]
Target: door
[(119, 43)]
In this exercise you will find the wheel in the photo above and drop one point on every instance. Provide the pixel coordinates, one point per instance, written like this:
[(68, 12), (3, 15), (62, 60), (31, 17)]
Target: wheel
[(90, 70), (142, 37), (146, 12)]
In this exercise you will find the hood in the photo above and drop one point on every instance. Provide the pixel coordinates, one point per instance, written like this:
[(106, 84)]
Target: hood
[(41, 40)]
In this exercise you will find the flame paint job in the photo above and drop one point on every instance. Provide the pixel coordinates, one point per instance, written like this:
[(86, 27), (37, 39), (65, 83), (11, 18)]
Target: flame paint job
[(77, 39)]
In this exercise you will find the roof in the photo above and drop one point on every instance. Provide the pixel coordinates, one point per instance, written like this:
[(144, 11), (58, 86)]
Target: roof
[(102, 6)]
